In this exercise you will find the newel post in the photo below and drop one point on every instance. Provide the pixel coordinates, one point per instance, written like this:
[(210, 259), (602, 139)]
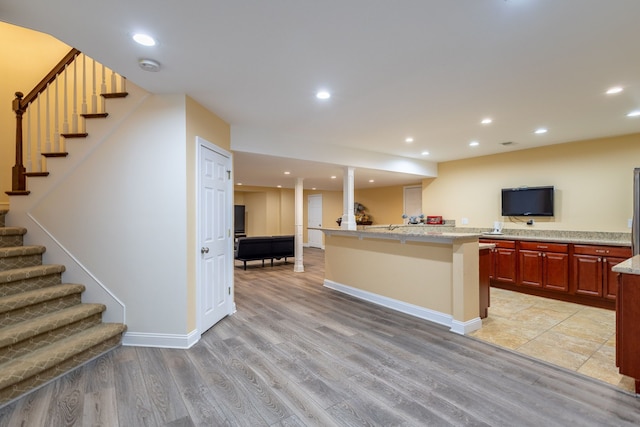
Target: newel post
[(19, 180)]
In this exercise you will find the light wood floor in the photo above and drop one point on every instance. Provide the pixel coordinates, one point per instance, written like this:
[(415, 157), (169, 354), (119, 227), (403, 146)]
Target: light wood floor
[(297, 354)]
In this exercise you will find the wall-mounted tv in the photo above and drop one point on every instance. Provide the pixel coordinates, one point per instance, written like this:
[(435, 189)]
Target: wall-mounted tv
[(527, 201)]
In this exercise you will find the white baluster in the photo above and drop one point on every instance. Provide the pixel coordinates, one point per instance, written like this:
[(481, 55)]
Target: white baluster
[(28, 165), (56, 120), (114, 86), (84, 91), (74, 116), (103, 88), (94, 97), (47, 145), (38, 135), (65, 110)]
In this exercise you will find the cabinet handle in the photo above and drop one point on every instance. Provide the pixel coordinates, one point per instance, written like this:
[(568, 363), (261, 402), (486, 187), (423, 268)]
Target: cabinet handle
[(599, 259), (542, 247), (539, 254), (544, 255), (601, 251), (604, 260)]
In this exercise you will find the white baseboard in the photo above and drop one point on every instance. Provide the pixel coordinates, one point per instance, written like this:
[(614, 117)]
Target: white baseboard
[(141, 339), (411, 309), (464, 328)]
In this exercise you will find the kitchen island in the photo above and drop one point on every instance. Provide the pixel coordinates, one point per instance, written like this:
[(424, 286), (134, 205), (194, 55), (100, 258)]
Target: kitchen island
[(428, 274)]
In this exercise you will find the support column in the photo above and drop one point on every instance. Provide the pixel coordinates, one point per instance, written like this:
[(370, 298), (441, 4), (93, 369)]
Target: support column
[(299, 265), (348, 217)]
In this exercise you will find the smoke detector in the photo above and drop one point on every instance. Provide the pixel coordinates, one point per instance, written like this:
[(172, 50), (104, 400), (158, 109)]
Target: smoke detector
[(149, 65)]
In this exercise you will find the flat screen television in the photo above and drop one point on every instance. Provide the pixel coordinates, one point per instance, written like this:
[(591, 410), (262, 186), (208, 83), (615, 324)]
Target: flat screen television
[(527, 201), (238, 219)]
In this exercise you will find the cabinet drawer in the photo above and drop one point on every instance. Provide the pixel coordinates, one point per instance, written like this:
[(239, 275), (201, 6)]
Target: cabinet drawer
[(615, 251), (545, 247), (510, 244)]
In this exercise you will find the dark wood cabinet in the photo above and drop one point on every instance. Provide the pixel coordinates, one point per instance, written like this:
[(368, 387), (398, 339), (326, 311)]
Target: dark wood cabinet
[(503, 261), (579, 273), (591, 270), (484, 258), (544, 265), (628, 327)]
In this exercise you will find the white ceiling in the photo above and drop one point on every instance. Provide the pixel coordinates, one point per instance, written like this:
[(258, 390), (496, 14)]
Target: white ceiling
[(430, 69)]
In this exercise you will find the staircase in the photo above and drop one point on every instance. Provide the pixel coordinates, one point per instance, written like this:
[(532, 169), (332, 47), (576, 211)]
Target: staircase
[(45, 329)]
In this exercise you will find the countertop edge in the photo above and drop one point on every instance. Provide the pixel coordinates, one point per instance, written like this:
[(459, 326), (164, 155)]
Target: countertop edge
[(432, 237), (629, 266)]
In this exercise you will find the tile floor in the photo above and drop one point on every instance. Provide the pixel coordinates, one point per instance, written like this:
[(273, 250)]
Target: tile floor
[(570, 335)]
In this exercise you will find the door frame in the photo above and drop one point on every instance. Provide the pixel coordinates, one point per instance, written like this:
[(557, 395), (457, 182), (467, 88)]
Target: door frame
[(231, 305)]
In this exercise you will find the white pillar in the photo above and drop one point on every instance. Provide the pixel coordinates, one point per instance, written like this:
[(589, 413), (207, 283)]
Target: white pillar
[(348, 217), (299, 265)]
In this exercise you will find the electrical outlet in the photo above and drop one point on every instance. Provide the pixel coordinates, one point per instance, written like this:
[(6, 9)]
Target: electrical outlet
[(465, 221), (629, 223)]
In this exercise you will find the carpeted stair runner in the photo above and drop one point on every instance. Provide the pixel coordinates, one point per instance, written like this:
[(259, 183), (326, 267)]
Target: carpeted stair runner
[(45, 329)]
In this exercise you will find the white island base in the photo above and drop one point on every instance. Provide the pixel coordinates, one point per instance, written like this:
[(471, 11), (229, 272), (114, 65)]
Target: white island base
[(432, 276)]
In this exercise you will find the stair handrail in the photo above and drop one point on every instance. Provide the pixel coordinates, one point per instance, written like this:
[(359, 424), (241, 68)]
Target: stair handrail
[(19, 106)]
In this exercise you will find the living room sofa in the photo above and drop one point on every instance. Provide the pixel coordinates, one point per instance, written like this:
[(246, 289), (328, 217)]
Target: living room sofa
[(264, 247)]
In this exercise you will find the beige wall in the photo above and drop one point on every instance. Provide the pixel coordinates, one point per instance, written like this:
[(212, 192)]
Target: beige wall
[(205, 124), (27, 56), (268, 211), (593, 181), (384, 204)]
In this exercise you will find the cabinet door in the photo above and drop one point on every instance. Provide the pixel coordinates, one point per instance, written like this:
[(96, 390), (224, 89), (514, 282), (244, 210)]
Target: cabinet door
[(587, 275), (556, 271), (610, 285), (530, 268), (505, 265)]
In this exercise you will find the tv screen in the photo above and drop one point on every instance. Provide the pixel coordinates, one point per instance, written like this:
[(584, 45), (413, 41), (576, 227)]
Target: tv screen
[(527, 201), (238, 219)]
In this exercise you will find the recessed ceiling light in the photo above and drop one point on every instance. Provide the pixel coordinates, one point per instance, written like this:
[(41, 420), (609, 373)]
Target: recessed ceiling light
[(313, 188), (474, 144), (635, 113), (614, 90), (486, 121), (323, 94), (144, 39), (333, 177), (371, 180), (425, 153), (540, 131), (409, 139), (287, 173), (239, 183), (279, 186)]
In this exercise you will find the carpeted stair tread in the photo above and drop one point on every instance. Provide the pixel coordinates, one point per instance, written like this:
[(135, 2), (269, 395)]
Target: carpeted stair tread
[(22, 250), (30, 328), (13, 231), (30, 272), (42, 359), (24, 299)]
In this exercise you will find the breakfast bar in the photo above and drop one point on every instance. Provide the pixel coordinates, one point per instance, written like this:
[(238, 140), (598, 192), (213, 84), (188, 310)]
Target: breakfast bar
[(431, 275)]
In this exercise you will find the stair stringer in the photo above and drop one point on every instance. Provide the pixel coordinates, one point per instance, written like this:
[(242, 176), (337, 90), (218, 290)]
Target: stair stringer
[(22, 207)]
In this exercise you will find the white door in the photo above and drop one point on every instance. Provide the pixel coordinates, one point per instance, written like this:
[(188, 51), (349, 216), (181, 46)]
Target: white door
[(215, 247), (314, 219), (413, 201)]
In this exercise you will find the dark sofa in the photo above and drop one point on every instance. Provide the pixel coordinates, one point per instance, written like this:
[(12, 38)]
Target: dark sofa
[(264, 247)]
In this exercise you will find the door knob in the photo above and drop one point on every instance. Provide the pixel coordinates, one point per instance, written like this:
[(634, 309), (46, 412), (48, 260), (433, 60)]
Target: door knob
[(204, 250)]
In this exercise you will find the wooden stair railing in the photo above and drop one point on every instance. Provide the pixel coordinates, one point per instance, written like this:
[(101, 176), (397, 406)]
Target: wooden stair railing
[(47, 86)]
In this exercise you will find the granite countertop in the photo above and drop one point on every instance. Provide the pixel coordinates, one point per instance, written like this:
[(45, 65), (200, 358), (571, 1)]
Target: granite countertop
[(578, 238), (537, 235), (391, 233), (630, 266)]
